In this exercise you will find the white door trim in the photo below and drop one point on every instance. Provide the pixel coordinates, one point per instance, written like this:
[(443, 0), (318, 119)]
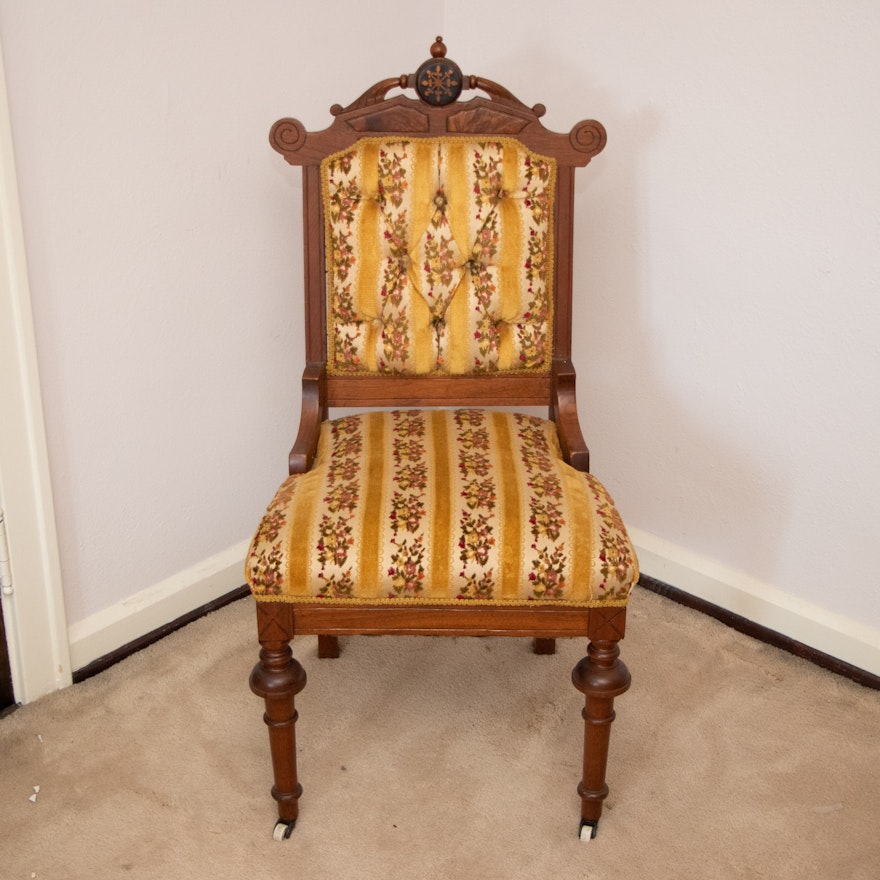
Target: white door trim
[(34, 613)]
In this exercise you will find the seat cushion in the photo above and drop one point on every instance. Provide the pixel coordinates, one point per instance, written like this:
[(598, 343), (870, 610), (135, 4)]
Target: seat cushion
[(442, 506)]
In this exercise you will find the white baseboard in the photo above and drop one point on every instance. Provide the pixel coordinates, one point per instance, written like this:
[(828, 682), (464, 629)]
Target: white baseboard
[(113, 627), (834, 634)]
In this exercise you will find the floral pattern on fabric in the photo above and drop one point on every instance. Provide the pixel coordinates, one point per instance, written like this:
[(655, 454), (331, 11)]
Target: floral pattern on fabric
[(548, 565), (443, 506), (476, 527), (615, 553), (409, 478), (266, 572), (336, 532), (439, 256)]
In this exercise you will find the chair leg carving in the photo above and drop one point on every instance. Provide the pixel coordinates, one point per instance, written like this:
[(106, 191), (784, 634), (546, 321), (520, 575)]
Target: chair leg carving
[(600, 677), (277, 678)]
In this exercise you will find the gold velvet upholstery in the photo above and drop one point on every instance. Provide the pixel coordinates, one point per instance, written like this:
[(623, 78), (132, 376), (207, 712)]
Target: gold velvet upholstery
[(442, 506), (439, 256), (439, 261)]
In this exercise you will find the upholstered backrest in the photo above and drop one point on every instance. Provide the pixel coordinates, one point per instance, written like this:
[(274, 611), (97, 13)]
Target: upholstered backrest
[(439, 256), (438, 247)]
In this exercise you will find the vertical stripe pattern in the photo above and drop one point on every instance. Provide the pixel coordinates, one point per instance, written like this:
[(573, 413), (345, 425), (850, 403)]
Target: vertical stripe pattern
[(467, 505), (439, 257)]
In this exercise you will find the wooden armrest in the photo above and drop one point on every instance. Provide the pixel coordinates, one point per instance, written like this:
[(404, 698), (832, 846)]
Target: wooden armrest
[(313, 412), (564, 413)]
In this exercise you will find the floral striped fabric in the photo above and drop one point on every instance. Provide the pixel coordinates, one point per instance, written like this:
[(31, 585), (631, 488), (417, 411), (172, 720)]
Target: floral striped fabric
[(442, 506), (439, 256)]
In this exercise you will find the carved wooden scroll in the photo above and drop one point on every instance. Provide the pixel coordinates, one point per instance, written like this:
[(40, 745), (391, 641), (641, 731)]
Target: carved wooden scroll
[(436, 111)]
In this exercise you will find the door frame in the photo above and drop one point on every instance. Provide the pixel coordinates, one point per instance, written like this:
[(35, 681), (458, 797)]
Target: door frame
[(36, 624)]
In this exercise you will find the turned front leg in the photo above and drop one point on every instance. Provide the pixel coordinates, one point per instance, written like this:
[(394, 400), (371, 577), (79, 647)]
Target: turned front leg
[(277, 678), (600, 676)]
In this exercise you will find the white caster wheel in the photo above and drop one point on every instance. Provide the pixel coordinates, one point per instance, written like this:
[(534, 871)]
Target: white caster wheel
[(283, 829), (587, 832)]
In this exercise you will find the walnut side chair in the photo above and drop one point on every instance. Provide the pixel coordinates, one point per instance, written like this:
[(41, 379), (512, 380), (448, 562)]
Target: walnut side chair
[(438, 284)]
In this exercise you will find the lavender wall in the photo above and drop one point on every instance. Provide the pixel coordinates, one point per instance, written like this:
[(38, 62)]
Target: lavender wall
[(727, 266)]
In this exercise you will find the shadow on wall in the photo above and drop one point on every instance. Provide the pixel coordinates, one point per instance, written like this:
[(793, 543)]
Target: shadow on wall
[(665, 442)]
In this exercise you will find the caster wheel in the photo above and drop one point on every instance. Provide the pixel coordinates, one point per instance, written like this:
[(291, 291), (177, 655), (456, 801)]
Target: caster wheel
[(283, 829), (587, 831)]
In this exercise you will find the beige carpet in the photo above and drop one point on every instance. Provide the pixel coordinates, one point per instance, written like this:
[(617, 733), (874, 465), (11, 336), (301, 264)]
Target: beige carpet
[(448, 758)]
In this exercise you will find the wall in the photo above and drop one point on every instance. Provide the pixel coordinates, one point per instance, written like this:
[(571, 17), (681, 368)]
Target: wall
[(161, 236), (727, 268)]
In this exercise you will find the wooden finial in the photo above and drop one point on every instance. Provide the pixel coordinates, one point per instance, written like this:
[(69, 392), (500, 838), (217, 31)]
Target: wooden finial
[(438, 50)]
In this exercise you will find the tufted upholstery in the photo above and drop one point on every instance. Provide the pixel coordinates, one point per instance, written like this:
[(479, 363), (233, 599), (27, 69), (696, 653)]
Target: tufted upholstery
[(442, 506), (439, 256)]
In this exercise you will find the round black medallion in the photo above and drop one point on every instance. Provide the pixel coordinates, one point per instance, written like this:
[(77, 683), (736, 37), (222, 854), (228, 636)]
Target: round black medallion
[(439, 81)]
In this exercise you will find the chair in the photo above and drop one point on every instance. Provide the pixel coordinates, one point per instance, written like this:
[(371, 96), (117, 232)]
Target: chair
[(438, 285)]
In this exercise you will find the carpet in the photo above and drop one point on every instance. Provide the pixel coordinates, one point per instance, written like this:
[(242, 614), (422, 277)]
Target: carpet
[(441, 757)]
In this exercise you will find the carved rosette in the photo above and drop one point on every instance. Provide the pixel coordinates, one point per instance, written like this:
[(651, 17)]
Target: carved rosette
[(439, 81)]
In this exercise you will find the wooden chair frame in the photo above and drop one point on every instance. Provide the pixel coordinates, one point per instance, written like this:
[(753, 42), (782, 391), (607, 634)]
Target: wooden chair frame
[(278, 676)]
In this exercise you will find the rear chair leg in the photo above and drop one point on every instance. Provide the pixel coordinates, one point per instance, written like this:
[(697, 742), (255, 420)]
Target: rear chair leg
[(600, 677), (328, 647), (277, 678)]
